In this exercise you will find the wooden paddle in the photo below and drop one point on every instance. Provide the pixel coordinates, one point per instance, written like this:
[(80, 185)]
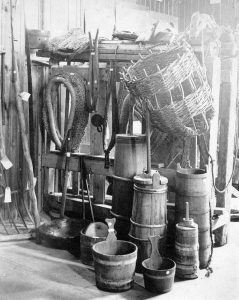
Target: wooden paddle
[(155, 260), (111, 231)]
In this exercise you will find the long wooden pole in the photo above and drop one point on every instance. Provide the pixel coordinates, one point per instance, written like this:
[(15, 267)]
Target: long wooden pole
[(19, 106), (148, 140)]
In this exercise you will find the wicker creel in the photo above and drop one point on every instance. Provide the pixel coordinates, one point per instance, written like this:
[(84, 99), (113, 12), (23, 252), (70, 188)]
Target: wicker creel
[(174, 85)]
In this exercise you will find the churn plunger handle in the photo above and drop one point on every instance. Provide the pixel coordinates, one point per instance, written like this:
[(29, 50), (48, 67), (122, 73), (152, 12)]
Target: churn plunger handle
[(187, 211)]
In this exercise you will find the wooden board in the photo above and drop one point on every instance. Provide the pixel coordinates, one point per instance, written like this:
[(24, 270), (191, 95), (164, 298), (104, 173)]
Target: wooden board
[(94, 163), (112, 50), (227, 129)]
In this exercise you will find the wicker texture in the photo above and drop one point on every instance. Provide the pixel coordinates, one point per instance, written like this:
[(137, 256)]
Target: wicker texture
[(176, 89), (70, 44), (81, 114)]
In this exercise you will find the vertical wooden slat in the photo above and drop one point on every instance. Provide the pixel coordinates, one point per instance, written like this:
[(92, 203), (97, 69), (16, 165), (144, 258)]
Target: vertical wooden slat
[(227, 115), (97, 148), (181, 15)]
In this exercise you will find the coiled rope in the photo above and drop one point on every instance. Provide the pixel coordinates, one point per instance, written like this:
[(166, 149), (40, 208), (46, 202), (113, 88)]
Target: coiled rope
[(78, 115)]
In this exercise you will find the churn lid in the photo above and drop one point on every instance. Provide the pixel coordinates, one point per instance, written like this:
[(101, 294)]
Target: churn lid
[(155, 179)]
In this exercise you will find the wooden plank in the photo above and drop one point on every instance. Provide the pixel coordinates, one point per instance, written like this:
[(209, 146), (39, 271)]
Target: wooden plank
[(94, 163), (96, 146), (213, 66), (75, 183), (16, 237), (74, 205), (227, 116), (117, 51), (111, 50)]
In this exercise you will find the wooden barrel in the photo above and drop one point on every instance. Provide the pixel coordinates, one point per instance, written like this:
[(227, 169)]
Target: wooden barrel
[(192, 186), (144, 250), (186, 249), (114, 265), (149, 212), (130, 159)]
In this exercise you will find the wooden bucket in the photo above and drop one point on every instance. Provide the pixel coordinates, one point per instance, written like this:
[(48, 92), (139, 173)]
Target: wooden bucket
[(114, 263), (186, 250), (149, 212), (130, 159), (192, 186), (161, 280), (88, 240)]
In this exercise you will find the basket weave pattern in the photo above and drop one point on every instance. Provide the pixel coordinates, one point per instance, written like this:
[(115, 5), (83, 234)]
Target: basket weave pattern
[(175, 87)]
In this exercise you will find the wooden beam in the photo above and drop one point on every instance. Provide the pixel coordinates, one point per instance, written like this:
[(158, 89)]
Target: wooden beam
[(227, 117), (16, 237), (96, 145), (213, 66), (94, 163), (112, 50), (74, 206)]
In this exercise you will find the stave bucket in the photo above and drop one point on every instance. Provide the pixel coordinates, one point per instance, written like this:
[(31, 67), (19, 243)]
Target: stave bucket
[(159, 281), (192, 186), (89, 238), (130, 159), (114, 263), (158, 271)]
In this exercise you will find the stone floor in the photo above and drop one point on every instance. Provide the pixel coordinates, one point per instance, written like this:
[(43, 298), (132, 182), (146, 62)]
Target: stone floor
[(30, 271)]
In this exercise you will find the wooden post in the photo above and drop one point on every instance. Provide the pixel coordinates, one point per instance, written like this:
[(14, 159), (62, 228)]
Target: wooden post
[(227, 129), (213, 66), (96, 147)]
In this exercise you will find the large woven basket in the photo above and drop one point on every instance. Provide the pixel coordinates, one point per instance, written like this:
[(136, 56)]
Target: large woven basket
[(174, 85)]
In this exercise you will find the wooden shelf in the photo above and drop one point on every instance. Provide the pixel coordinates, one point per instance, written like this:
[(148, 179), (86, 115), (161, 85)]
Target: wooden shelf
[(94, 164), (121, 51)]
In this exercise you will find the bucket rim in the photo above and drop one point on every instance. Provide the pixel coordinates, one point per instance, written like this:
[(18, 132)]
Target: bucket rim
[(94, 248), (191, 173), (82, 232), (161, 270)]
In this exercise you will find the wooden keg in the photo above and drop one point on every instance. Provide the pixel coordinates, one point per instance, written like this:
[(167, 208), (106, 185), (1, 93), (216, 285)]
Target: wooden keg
[(192, 186), (186, 248), (149, 212), (130, 159)]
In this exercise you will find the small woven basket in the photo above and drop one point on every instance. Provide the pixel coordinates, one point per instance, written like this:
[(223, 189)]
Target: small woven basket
[(175, 87)]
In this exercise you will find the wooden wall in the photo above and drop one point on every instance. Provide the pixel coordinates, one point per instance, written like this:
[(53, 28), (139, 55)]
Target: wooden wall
[(58, 16), (225, 12)]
